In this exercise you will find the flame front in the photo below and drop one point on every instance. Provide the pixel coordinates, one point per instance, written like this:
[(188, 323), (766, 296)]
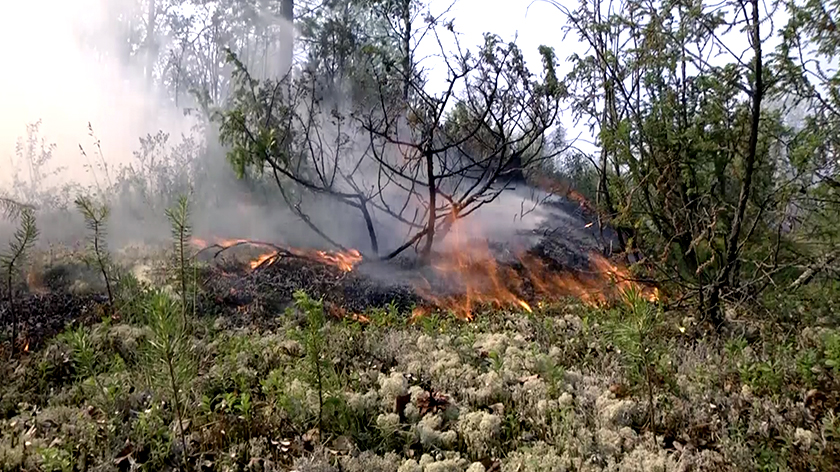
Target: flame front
[(475, 277), (469, 263), (345, 261)]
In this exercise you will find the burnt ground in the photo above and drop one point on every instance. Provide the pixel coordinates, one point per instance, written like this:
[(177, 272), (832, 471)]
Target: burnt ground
[(43, 315), (256, 296)]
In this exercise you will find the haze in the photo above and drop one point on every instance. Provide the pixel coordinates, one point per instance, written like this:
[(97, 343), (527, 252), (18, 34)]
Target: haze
[(52, 76)]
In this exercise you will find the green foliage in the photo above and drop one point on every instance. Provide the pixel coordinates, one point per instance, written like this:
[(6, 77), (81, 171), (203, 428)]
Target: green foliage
[(96, 219), (700, 164), (179, 221), (320, 372), (248, 386), (832, 350), (10, 208), (764, 377), (170, 362), (388, 316), (806, 365), (22, 242), (553, 373), (130, 294), (437, 322), (633, 335), (55, 459), (85, 355), (256, 125), (14, 258)]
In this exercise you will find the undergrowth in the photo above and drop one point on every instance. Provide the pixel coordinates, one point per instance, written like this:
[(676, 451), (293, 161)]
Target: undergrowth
[(567, 387)]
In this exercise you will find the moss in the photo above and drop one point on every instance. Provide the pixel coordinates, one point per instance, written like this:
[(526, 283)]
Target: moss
[(480, 431)]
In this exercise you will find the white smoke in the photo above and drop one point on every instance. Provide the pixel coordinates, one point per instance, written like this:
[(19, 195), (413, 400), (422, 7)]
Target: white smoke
[(62, 67)]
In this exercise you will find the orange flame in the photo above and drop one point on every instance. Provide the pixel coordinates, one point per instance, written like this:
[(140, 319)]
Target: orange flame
[(344, 260), (486, 282), (482, 280), (262, 259)]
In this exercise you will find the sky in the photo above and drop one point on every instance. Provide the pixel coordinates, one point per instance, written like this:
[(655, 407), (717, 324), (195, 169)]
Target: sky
[(52, 80), (47, 76)]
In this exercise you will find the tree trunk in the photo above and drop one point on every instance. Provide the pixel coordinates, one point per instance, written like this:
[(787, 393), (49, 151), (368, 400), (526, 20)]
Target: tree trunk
[(610, 120), (149, 46), (430, 228), (287, 39), (406, 45), (12, 312), (732, 252), (374, 243)]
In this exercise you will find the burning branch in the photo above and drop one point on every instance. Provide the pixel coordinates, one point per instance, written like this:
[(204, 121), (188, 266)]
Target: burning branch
[(344, 260)]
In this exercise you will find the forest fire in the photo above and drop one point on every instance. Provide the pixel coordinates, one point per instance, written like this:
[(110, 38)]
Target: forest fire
[(466, 275), (483, 280), (345, 261), (266, 258)]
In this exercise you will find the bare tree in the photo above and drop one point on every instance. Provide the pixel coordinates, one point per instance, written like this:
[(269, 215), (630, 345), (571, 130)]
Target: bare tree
[(418, 158), (282, 127), (458, 149)]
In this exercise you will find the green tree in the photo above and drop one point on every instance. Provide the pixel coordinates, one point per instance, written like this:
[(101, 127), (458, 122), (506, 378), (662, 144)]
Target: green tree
[(810, 41), (694, 166), (179, 221), (96, 218), (15, 256), (171, 364)]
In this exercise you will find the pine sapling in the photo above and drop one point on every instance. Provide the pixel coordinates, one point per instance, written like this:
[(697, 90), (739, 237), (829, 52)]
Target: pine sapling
[(313, 341), (11, 260), (170, 358), (633, 336), (179, 221), (10, 208), (96, 218)]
